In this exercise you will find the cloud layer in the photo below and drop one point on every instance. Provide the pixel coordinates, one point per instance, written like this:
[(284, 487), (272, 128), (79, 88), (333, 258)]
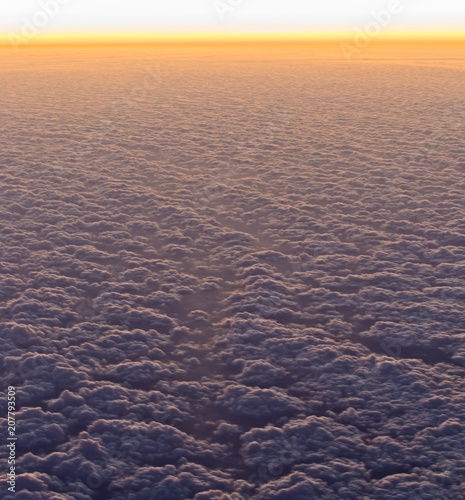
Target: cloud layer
[(246, 283)]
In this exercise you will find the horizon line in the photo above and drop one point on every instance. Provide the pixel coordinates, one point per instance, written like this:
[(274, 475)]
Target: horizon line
[(251, 37)]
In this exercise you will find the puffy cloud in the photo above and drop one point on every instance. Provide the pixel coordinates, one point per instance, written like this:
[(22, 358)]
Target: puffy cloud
[(254, 308)]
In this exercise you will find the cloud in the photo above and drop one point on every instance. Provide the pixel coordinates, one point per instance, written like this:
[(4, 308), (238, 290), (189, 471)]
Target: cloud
[(189, 313)]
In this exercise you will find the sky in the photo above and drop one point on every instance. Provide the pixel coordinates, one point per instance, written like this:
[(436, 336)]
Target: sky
[(47, 18)]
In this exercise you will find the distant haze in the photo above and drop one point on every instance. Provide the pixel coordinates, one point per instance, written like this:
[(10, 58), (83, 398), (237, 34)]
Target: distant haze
[(229, 16)]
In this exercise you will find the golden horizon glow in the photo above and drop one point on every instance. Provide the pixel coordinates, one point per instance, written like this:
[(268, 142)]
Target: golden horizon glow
[(47, 22), (181, 37)]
